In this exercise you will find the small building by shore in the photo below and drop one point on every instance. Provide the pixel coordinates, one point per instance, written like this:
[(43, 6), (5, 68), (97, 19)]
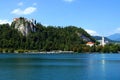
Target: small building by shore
[(90, 44)]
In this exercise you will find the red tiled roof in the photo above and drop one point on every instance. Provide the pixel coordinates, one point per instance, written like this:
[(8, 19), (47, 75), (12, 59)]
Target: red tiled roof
[(90, 43)]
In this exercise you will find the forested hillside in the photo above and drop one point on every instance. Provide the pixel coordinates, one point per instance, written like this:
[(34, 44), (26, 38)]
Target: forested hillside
[(48, 38)]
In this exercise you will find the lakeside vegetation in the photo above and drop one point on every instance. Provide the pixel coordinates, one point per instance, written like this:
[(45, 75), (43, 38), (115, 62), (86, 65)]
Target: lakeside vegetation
[(50, 38), (44, 39), (110, 48)]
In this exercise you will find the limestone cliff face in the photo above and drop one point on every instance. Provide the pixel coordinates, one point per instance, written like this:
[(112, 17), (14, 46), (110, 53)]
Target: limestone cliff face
[(24, 25)]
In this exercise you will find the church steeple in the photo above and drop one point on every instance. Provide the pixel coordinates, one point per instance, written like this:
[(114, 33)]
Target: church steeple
[(103, 41)]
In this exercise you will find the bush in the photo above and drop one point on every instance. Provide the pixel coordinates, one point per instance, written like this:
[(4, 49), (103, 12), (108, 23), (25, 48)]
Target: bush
[(6, 50), (11, 50), (20, 51), (1, 50)]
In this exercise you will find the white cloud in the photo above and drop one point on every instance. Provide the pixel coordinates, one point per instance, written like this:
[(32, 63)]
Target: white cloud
[(29, 10), (68, 0), (92, 32), (34, 4), (118, 30), (4, 21), (26, 11), (20, 4)]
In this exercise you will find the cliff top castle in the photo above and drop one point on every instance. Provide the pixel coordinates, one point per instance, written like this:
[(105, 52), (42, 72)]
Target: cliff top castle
[(24, 25)]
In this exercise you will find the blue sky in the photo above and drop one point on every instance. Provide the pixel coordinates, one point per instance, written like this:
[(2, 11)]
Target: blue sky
[(98, 17)]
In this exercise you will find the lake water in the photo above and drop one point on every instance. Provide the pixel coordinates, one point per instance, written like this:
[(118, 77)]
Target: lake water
[(59, 66)]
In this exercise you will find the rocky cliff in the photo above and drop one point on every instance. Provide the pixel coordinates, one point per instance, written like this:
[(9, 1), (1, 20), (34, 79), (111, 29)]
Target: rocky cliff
[(24, 25)]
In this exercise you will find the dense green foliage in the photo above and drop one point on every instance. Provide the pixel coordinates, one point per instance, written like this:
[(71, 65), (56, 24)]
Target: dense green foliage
[(44, 39), (108, 48), (50, 38)]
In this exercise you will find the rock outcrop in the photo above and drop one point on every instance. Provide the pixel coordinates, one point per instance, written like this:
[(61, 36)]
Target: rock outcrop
[(24, 25)]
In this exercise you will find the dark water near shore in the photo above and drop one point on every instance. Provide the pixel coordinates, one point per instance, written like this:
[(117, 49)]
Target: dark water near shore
[(59, 66)]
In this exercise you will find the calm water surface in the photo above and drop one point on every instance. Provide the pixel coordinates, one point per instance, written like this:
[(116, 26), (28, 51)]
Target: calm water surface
[(59, 66)]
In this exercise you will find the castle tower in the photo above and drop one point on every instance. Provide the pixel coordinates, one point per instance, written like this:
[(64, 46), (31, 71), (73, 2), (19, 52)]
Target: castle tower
[(103, 41)]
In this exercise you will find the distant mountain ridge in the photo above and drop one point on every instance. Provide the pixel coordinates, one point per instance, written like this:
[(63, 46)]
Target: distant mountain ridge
[(115, 37), (100, 38)]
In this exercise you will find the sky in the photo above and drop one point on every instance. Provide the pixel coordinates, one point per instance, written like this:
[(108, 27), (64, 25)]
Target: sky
[(97, 17)]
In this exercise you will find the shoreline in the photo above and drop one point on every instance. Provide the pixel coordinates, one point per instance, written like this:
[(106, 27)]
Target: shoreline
[(20, 51), (37, 52), (61, 52)]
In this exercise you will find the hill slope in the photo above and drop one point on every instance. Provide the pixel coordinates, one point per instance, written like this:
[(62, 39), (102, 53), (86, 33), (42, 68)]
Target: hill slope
[(44, 38)]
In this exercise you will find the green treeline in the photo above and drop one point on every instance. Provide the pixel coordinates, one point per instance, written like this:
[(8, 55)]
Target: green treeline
[(108, 48), (69, 38), (44, 39)]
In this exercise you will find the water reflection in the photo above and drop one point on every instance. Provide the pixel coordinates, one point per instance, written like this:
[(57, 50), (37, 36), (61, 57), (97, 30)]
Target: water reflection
[(96, 67), (103, 69), (103, 66), (60, 67)]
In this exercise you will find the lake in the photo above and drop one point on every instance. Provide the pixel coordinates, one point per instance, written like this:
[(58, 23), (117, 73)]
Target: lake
[(59, 66)]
